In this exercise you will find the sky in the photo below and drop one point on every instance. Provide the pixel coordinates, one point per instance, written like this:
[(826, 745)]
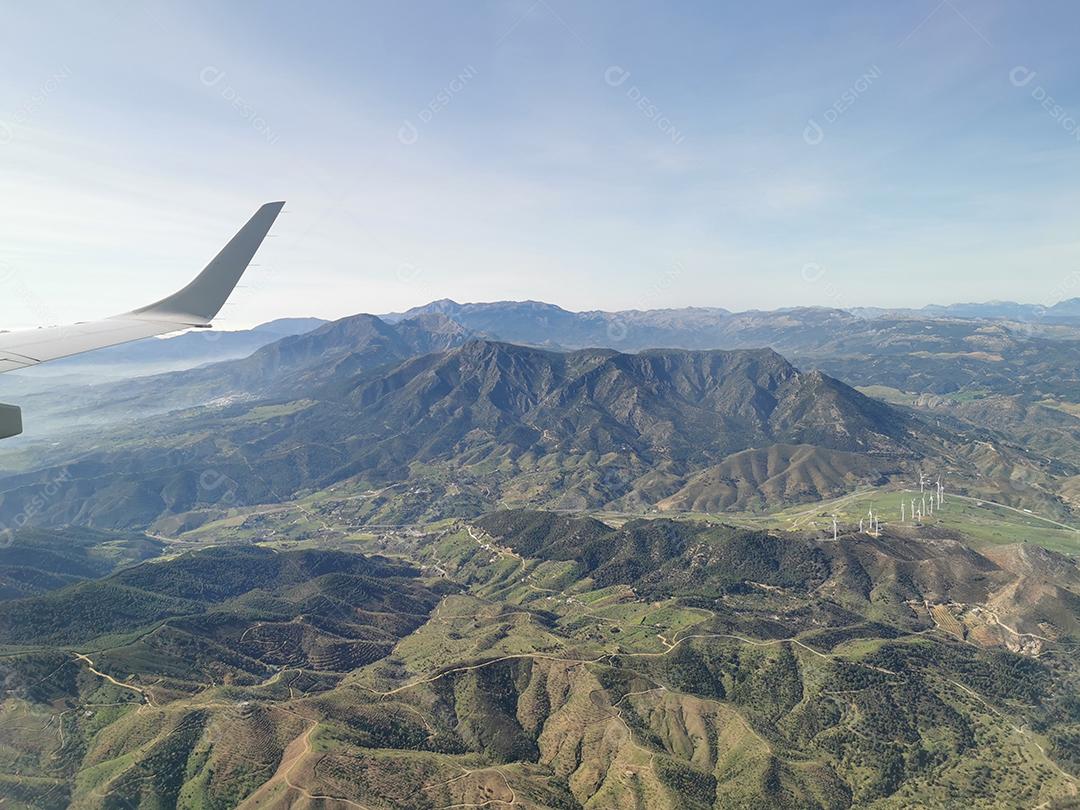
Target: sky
[(600, 155)]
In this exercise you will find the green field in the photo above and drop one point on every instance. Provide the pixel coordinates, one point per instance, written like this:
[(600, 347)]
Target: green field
[(969, 518)]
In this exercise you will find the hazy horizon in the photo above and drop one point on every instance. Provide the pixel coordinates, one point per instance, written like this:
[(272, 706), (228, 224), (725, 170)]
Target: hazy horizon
[(610, 157), (381, 314)]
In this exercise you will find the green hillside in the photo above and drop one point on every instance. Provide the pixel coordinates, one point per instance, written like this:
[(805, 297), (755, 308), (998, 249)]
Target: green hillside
[(554, 660)]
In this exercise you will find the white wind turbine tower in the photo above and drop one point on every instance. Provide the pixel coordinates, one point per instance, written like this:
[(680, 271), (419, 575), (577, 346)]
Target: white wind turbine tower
[(901, 511), (834, 527), (940, 491)]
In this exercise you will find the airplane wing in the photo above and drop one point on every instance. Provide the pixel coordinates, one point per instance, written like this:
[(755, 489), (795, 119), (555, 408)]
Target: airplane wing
[(193, 306)]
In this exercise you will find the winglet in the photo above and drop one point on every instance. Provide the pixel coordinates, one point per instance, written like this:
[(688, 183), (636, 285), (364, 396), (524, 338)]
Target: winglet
[(203, 298)]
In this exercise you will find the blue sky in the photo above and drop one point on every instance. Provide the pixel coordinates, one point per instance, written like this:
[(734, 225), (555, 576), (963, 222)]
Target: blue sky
[(595, 155)]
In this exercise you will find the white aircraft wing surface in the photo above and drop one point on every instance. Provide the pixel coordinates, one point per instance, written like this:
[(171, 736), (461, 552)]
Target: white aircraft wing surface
[(194, 306)]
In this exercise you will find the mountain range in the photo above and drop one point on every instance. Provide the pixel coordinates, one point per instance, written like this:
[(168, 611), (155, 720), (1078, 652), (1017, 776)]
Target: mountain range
[(538, 323), (600, 419), (436, 400), (420, 403), (457, 559)]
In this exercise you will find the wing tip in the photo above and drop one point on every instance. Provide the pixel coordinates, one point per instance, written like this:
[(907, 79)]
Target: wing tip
[(201, 300)]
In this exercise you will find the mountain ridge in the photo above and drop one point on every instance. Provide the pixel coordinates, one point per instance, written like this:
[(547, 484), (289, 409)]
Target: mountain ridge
[(603, 415)]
